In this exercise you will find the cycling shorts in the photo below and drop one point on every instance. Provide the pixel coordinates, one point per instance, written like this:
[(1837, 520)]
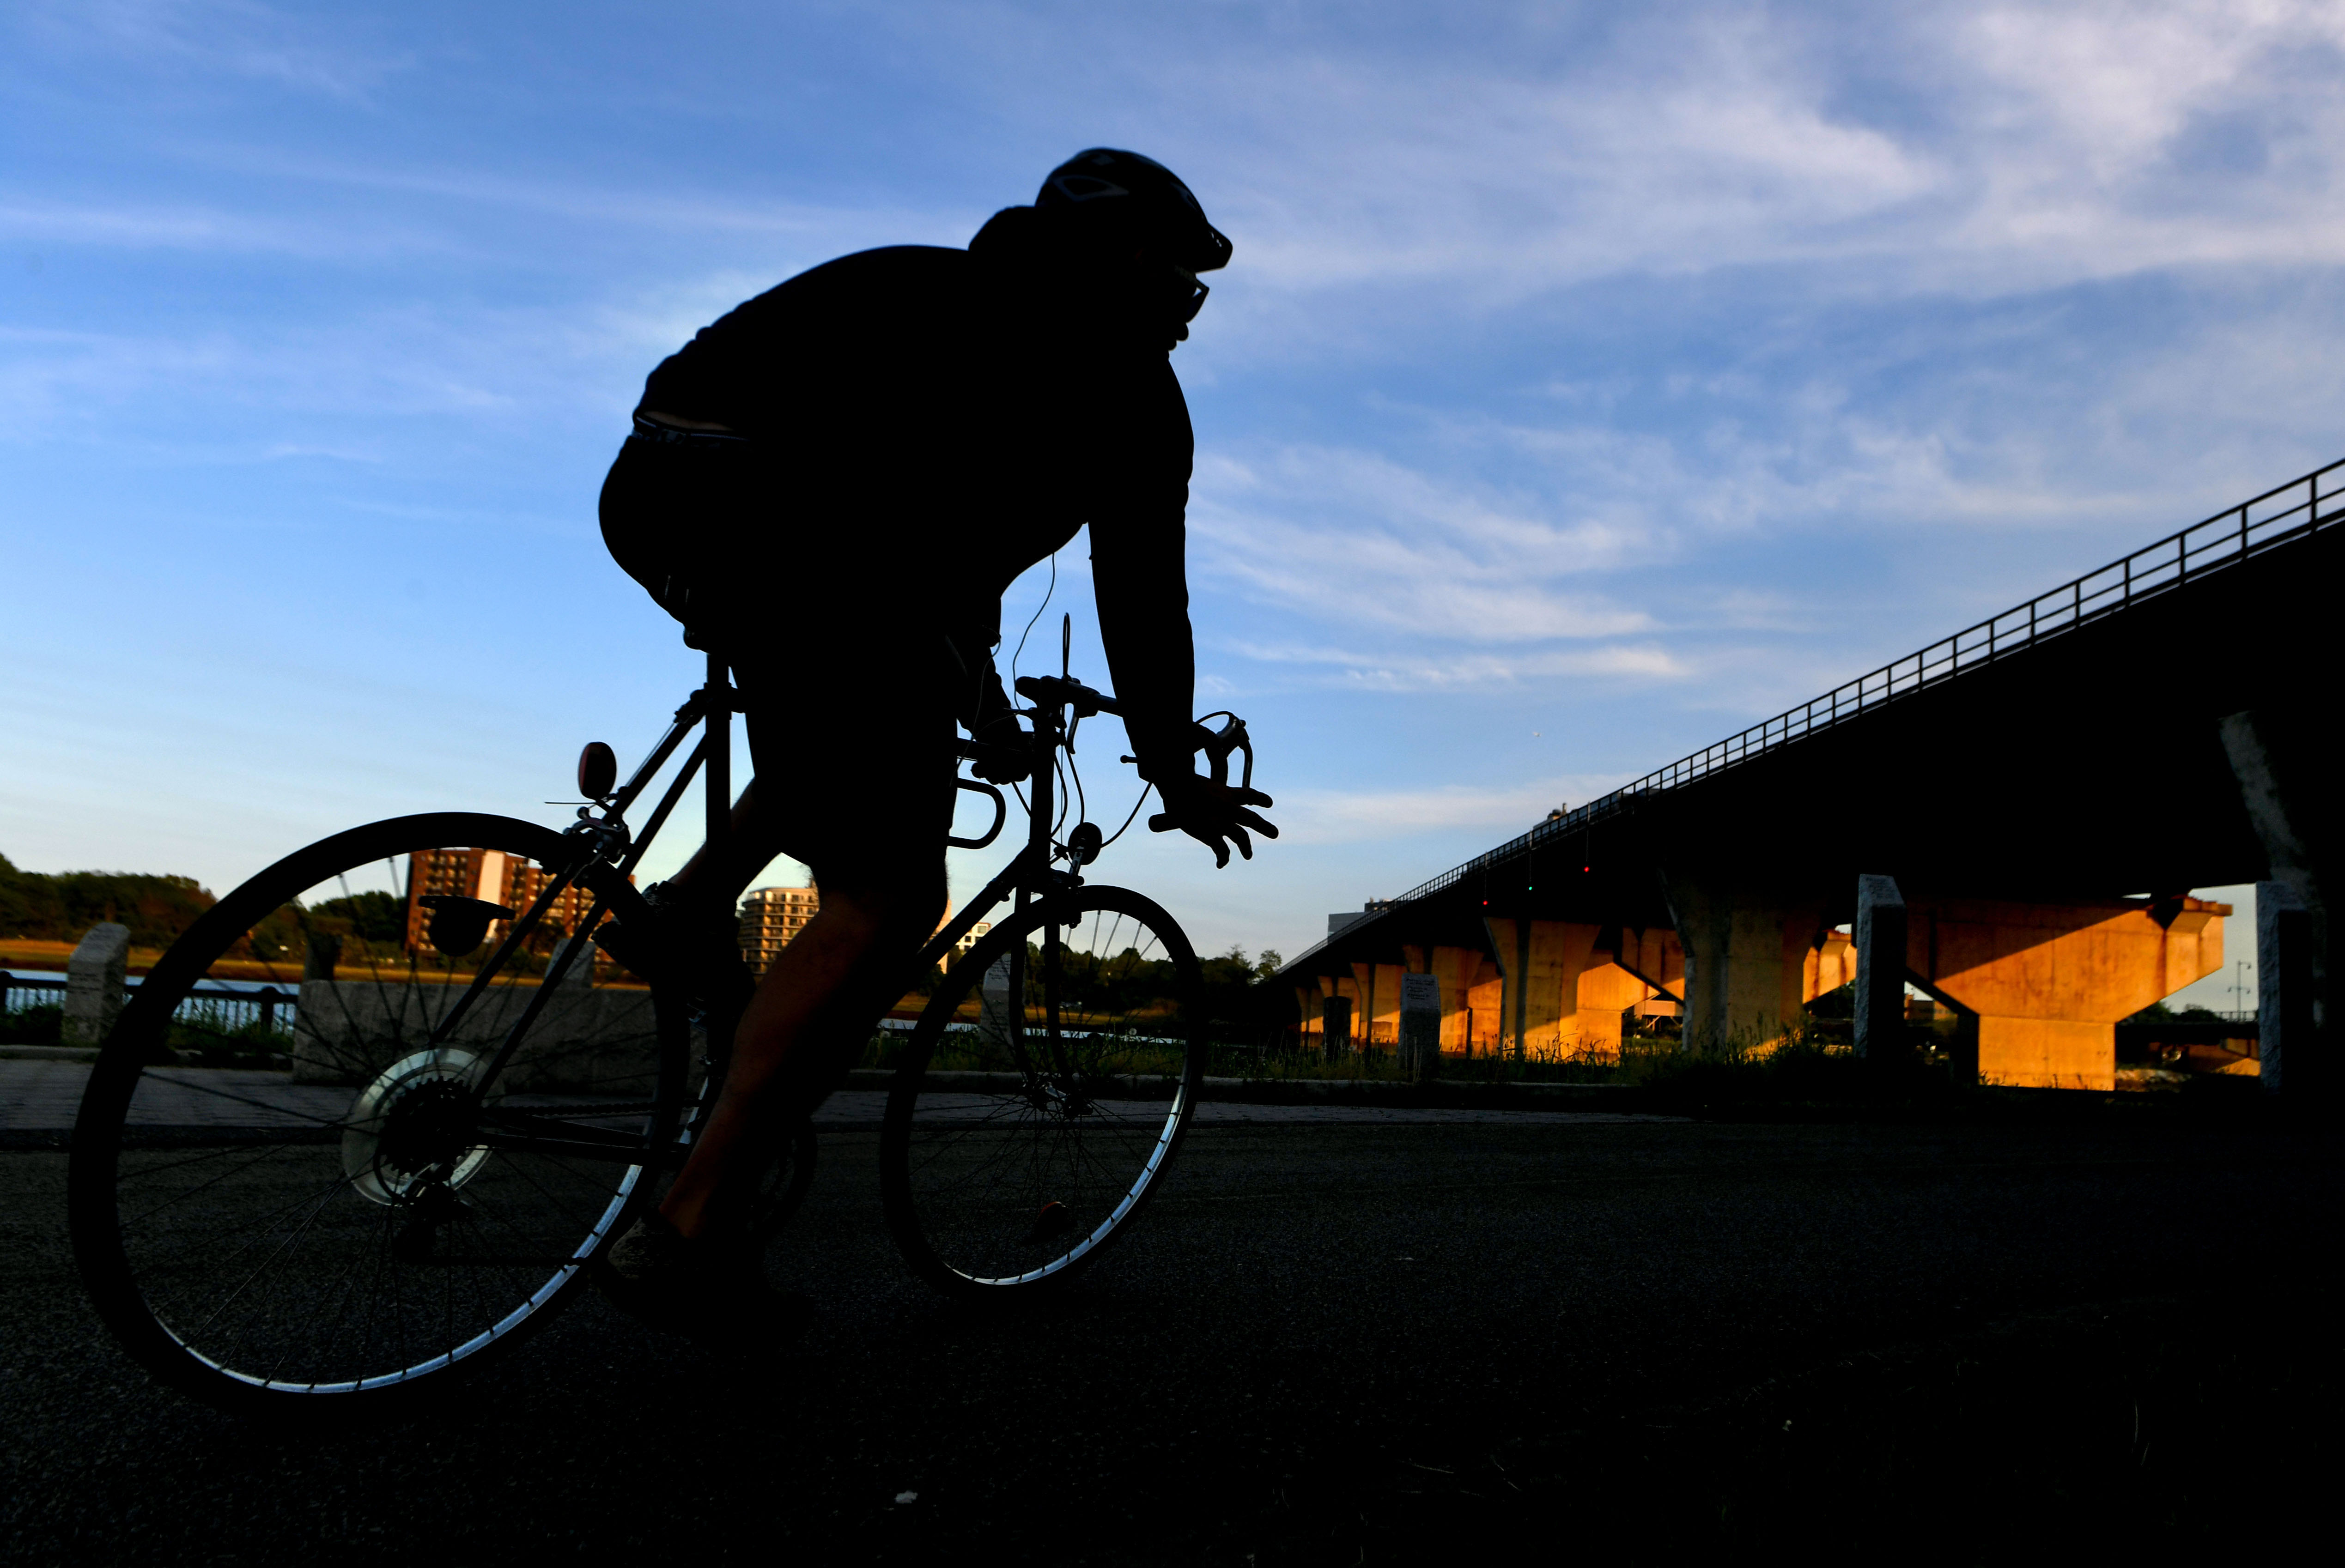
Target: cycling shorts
[(850, 700)]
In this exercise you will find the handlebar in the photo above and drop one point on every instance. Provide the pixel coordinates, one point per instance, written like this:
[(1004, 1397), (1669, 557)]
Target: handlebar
[(1217, 745), (1053, 689)]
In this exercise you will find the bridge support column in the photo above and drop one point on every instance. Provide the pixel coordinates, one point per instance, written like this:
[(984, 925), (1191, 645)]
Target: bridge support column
[(1486, 1005), (1364, 1011), (2287, 788), (2049, 981), (2284, 993), (1606, 992), (1745, 961), (1881, 967), (1657, 958), (1542, 961)]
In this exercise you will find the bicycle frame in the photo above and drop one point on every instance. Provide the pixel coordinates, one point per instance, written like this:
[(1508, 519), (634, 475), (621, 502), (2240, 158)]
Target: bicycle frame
[(605, 839)]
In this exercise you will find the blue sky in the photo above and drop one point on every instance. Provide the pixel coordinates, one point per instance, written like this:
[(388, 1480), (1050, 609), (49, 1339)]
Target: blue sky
[(1590, 382)]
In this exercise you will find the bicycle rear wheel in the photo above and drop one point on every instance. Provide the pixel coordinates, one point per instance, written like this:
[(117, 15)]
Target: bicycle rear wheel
[(376, 1192), (1040, 1099)]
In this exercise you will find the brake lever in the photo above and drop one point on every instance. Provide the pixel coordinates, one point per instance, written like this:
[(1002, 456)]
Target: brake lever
[(1219, 743)]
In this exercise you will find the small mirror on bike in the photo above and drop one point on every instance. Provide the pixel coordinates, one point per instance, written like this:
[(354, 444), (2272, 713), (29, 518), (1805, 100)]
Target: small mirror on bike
[(598, 769)]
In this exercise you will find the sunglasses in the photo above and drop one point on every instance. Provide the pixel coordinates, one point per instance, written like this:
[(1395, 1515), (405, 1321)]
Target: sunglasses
[(1189, 295)]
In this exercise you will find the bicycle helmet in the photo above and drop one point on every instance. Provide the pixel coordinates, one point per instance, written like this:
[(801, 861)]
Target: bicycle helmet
[(1125, 196)]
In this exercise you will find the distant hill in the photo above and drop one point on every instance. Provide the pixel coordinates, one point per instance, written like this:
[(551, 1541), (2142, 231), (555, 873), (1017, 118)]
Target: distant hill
[(61, 907)]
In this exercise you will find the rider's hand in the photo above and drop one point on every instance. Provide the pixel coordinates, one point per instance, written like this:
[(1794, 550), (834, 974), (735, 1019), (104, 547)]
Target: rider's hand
[(1210, 813), (1006, 758)]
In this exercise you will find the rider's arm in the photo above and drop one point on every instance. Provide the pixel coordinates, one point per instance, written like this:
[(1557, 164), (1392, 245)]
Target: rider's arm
[(1138, 540), (1139, 572)]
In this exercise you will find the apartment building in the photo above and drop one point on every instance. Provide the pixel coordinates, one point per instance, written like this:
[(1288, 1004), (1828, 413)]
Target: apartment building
[(770, 919), (491, 874)]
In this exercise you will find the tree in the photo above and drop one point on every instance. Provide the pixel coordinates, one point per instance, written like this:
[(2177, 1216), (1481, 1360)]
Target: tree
[(62, 907)]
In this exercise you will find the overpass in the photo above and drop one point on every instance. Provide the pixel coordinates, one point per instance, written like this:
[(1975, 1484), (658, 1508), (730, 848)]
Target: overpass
[(2008, 819)]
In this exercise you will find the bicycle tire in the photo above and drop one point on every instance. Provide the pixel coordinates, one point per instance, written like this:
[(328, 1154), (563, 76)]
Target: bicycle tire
[(286, 1218), (1035, 1142)]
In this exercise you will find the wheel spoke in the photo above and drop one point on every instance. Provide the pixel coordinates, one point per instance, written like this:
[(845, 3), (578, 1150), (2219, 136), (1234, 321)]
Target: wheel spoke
[(345, 1221), (1026, 1188)]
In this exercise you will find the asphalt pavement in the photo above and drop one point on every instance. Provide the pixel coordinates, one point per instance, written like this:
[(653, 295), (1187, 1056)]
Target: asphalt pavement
[(1373, 1337)]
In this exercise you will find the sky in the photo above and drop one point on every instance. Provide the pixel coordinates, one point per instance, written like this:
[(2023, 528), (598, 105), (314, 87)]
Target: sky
[(1590, 382)]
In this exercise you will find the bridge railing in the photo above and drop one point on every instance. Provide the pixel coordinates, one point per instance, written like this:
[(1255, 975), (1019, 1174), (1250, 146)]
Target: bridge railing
[(2280, 516)]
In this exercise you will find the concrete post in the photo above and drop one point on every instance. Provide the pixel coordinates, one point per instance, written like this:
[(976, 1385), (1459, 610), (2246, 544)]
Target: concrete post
[(581, 971), (1879, 967), (1420, 1025), (993, 1009), (2283, 977), (96, 976), (318, 958)]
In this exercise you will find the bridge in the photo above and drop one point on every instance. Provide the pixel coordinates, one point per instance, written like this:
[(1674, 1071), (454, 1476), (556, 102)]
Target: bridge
[(2009, 820)]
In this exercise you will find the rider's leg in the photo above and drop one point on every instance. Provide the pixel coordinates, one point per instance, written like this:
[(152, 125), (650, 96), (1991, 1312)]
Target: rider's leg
[(715, 876), (808, 1016)]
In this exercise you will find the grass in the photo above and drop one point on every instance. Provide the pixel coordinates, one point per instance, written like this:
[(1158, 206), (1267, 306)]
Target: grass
[(34, 1025)]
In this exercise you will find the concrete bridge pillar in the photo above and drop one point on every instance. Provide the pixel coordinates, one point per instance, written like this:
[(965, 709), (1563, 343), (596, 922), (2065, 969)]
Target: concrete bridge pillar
[(2048, 982), (1656, 958), (2286, 783), (1541, 962), (1342, 989), (1881, 967), (1485, 1005), (2284, 995), (1745, 963), (1378, 1008), (1607, 991)]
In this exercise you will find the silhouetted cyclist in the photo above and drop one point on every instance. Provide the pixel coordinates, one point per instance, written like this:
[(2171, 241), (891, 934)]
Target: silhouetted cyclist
[(833, 485)]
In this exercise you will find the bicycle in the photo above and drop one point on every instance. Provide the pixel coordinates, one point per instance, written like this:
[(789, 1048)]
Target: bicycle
[(421, 1172)]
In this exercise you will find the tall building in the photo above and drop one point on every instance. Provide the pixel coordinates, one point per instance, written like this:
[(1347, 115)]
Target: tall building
[(771, 917), (491, 874), (961, 947)]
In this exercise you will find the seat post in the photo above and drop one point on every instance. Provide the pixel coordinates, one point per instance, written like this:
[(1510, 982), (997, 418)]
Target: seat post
[(719, 734)]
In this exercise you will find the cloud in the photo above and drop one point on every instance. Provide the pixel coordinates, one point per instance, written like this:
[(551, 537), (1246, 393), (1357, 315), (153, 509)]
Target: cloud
[(1506, 151), (1432, 670), (226, 37), (1354, 537), (1347, 816)]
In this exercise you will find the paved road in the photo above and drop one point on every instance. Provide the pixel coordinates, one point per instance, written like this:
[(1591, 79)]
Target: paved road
[(1338, 1342), (42, 1096)]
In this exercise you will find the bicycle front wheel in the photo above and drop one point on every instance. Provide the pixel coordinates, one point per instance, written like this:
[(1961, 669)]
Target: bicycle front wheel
[(1040, 1099), (399, 1163)]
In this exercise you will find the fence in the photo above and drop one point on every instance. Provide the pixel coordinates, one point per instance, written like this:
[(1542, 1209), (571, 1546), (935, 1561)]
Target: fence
[(218, 1008)]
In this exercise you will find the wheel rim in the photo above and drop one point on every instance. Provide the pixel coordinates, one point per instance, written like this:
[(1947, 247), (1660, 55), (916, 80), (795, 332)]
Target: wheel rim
[(343, 1199), (1017, 1150)]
